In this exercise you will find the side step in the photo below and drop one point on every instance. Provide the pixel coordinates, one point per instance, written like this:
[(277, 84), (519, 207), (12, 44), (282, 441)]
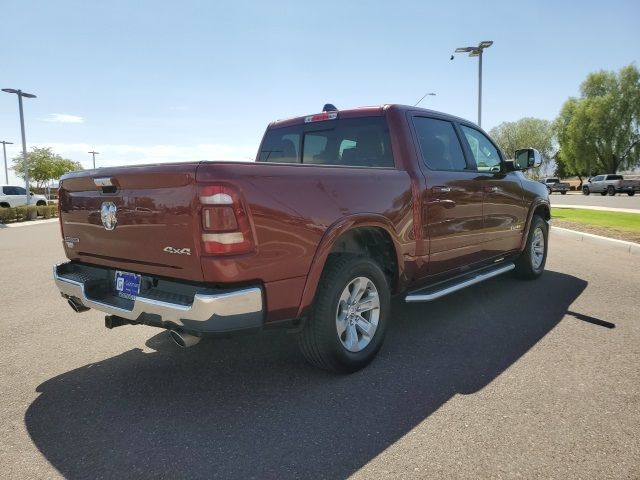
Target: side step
[(445, 288)]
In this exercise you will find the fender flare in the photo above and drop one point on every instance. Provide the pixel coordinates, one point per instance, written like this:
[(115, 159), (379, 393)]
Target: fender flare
[(534, 206), (327, 243)]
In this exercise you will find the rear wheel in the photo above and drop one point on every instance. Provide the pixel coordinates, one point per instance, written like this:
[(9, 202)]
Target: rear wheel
[(349, 317), (532, 260), (603, 193), (563, 192), (585, 190), (631, 194), (611, 190)]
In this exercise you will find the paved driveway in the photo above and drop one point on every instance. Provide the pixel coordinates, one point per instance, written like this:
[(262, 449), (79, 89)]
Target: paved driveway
[(597, 200), (504, 379)]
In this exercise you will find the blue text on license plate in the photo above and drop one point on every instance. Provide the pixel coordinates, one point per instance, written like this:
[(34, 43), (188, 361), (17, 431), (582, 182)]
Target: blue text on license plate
[(127, 284)]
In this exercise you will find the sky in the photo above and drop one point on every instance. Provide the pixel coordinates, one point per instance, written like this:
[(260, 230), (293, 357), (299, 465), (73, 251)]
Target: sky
[(158, 81)]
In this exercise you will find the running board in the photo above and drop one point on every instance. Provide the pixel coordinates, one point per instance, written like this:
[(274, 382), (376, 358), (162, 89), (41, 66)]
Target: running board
[(445, 288)]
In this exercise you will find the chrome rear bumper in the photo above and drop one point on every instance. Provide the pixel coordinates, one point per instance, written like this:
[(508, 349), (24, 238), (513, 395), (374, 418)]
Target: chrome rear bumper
[(204, 311)]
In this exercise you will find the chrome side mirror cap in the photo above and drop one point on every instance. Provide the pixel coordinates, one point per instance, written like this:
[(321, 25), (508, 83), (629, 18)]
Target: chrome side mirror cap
[(526, 158)]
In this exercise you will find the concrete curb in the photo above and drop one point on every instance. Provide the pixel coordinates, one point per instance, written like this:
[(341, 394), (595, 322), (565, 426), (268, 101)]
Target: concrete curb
[(620, 245), (28, 223)]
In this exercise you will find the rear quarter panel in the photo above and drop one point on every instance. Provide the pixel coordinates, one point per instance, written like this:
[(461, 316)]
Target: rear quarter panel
[(293, 207)]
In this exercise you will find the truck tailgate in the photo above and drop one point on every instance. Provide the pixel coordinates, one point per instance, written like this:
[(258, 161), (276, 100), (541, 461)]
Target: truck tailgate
[(155, 213)]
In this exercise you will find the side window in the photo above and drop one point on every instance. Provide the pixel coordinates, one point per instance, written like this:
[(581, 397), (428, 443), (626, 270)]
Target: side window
[(597, 179), (14, 191), (439, 144), (485, 154), (281, 145)]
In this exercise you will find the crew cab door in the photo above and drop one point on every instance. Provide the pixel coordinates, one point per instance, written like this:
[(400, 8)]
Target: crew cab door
[(452, 208), (504, 213)]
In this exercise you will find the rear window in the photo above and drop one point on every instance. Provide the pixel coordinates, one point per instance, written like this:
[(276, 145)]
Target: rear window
[(553, 180), (361, 142)]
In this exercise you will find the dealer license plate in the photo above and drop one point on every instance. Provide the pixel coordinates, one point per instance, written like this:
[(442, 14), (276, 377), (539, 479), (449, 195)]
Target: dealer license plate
[(127, 284)]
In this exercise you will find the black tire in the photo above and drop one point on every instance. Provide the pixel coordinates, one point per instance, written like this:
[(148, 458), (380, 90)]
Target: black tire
[(585, 190), (41, 203), (611, 190), (603, 193), (319, 340), (563, 192), (631, 194), (526, 267)]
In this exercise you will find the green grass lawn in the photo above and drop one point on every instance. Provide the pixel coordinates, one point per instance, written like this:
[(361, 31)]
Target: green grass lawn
[(622, 221)]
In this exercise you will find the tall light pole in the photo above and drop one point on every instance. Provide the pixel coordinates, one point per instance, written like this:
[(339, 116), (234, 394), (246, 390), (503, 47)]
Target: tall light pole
[(93, 153), (431, 94), (21, 94), (477, 52), (4, 150)]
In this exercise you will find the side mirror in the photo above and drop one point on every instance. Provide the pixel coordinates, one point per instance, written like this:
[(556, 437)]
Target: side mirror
[(526, 158), (31, 193)]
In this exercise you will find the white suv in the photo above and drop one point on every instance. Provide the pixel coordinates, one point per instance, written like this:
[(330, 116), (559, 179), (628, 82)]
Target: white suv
[(13, 196)]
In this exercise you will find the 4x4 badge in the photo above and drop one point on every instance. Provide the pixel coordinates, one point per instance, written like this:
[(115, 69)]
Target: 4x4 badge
[(108, 215)]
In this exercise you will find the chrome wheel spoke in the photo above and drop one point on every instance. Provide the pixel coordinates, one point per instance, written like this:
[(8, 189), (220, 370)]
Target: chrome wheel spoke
[(351, 340), (368, 303)]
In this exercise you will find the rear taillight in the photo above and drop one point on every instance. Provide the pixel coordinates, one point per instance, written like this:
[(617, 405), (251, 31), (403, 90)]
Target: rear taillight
[(225, 226)]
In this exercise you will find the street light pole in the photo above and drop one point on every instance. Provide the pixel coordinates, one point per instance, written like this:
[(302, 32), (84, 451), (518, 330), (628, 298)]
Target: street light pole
[(4, 150), (21, 94), (477, 52), (423, 97), (93, 153)]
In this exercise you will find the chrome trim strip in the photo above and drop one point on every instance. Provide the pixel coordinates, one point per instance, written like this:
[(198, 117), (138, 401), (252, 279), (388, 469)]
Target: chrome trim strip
[(247, 301), (428, 297)]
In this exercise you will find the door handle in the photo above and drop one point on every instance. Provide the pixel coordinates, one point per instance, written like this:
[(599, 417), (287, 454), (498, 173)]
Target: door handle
[(440, 189), (491, 189)]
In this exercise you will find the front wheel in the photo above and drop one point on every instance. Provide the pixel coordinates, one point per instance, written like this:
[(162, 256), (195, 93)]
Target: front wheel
[(530, 264), (585, 190), (349, 317), (611, 190), (631, 194), (563, 192)]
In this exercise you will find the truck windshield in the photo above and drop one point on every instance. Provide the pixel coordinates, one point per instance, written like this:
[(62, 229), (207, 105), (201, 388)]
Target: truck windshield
[(361, 142)]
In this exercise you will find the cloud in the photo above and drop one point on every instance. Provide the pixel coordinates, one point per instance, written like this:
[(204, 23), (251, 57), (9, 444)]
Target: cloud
[(118, 154), (62, 118)]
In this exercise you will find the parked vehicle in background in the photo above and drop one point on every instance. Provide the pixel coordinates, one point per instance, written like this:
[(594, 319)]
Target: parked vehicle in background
[(611, 184), (555, 185), (14, 196), (341, 210)]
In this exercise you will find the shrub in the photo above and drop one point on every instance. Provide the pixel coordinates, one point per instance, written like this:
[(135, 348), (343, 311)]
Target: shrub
[(51, 211), (21, 213), (7, 215), (52, 202), (32, 212)]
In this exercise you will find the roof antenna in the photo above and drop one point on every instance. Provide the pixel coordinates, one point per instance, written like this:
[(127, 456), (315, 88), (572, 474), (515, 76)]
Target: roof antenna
[(329, 107)]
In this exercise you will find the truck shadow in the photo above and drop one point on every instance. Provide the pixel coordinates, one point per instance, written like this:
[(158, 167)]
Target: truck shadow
[(251, 407)]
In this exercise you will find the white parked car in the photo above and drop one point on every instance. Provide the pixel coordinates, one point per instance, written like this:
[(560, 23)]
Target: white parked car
[(13, 196)]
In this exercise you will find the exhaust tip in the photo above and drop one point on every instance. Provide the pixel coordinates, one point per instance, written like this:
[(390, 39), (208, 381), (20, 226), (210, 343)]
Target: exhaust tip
[(183, 340), (76, 305)]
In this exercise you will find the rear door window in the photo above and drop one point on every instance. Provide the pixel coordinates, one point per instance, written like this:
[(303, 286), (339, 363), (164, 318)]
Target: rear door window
[(439, 144), (360, 142)]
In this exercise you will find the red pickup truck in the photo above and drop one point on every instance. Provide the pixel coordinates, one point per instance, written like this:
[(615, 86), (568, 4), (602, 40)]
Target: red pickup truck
[(340, 211)]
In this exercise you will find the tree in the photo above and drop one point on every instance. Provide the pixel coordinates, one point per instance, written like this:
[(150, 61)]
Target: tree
[(600, 130), (526, 133), (44, 165)]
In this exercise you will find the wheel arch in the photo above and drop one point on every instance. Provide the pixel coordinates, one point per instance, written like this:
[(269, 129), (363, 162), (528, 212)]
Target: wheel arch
[(539, 207), (373, 235)]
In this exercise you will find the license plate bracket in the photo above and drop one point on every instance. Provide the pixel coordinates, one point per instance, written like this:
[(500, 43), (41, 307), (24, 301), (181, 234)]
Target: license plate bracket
[(127, 284)]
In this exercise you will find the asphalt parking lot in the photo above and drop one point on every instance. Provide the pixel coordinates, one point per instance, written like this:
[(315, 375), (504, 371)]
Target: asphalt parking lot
[(596, 200), (505, 379)]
